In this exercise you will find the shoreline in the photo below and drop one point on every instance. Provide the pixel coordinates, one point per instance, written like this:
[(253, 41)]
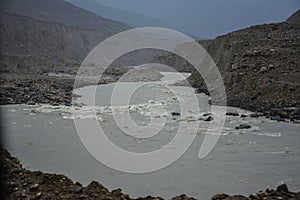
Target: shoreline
[(21, 183), (32, 89)]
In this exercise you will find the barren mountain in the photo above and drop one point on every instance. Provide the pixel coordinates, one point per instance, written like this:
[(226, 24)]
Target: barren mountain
[(40, 35), (132, 18), (260, 67), (62, 12), (30, 45)]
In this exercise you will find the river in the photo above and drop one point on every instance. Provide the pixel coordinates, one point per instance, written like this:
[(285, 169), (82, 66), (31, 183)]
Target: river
[(44, 138)]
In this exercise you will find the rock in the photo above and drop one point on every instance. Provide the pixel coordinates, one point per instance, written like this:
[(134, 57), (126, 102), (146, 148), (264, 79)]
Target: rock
[(278, 118), (243, 116), (78, 190), (183, 197), (83, 196), (295, 121), (220, 196), (78, 184), (206, 114), (256, 115), (23, 195), (12, 184), (38, 195), (38, 173), (271, 66), (117, 192), (232, 113), (175, 113), (263, 69), (243, 126), (34, 188), (209, 118), (234, 66), (282, 188), (30, 102)]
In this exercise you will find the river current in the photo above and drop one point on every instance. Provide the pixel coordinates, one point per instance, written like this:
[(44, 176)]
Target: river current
[(243, 161)]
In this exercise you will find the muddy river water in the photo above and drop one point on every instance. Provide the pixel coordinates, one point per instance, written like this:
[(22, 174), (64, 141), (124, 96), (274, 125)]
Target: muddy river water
[(243, 161)]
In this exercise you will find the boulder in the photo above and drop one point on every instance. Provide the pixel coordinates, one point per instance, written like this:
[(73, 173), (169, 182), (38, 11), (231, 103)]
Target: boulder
[(232, 113), (175, 113)]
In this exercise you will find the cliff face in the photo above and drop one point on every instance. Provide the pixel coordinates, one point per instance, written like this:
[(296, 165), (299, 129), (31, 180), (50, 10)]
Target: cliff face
[(260, 66)]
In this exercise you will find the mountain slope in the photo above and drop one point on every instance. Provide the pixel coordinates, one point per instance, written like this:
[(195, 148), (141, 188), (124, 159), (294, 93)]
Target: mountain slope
[(294, 18), (131, 18), (259, 66), (37, 35), (134, 19), (61, 12), (28, 44)]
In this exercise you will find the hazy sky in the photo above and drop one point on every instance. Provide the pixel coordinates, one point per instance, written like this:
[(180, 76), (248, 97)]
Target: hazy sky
[(210, 18)]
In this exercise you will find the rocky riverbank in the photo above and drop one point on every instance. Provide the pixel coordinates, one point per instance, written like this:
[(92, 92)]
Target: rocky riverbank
[(20, 183), (16, 88), (259, 66)]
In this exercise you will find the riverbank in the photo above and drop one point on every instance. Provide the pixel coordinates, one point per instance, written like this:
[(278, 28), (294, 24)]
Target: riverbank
[(259, 66), (56, 89), (20, 183)]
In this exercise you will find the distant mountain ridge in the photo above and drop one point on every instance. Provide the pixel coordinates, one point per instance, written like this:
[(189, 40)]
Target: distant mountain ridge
[(62, 12), (132, 18), (31, 45), (42, 34)]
